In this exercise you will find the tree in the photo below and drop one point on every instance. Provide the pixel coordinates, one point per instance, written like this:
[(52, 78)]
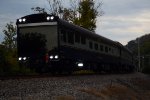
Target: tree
[(81, 12), (10, 36), (55, 7), (38, 9), (9, 53), (144, 49), (88, 13), (70, 14)]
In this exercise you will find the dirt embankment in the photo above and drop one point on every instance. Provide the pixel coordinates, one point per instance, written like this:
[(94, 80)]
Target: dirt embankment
[(134, 89)]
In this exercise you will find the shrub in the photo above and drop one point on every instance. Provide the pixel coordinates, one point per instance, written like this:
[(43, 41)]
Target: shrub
[(146, 70), (9, 63)]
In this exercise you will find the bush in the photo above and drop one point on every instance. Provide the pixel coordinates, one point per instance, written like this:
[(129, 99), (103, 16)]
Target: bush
[(9, 64), (146, 70)]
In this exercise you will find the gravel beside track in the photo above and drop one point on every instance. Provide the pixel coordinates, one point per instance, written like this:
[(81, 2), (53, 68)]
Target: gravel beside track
[(61, 87)]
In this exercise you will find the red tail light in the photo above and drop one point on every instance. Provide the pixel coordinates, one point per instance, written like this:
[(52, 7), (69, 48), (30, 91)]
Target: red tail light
[(46, 58)]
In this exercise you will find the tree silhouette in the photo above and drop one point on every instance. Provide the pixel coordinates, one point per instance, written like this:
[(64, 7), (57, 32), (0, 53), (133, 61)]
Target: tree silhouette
[(10, 33), (81, 12)]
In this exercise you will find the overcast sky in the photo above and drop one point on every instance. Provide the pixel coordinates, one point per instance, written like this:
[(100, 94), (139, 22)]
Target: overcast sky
[(123, 20)]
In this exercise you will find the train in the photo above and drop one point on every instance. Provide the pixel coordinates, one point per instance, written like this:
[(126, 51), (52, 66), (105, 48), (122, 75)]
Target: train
[(47, 43)]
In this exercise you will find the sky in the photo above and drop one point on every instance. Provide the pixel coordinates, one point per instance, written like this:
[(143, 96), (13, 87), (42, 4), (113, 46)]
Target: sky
[(123, 20)]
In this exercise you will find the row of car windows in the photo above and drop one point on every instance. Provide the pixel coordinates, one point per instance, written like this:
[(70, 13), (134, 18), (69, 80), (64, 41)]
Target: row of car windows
[(72, 38), (100, 47)]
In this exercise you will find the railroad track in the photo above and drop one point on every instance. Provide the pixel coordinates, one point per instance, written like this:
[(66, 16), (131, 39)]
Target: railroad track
[(23, 76), (41, 76), (49, 87)]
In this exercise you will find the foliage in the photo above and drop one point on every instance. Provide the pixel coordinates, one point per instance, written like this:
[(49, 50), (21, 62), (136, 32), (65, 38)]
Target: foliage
[(8, 53), (143, 41), (69, 15), (87, 15), (8, 50), (144, 47), (38, 9), (80, 12), (146, 70), (8, 64), (55, 7), (10, 33)]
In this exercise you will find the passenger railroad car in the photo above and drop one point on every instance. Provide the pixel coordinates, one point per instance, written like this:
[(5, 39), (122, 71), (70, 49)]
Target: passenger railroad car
[(48, 43)]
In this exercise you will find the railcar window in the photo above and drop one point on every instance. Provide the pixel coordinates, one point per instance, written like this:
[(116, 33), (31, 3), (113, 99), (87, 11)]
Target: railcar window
[(101, 48), (112, 50), (83, 40), (90, 45), (63, 32), (106, 49), (109, 49), (96, 46), (70, 37), (77, 38)]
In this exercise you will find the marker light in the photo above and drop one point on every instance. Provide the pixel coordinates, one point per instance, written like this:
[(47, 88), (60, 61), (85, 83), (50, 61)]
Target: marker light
[(51, 57), (23, 19), (19, 58), (24, 58), (80, 64), (52, 17), (48, 18), (56, 56), (20, 20)]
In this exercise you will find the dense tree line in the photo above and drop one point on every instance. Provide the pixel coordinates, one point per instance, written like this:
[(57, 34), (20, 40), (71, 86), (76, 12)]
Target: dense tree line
[(143, 43)]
